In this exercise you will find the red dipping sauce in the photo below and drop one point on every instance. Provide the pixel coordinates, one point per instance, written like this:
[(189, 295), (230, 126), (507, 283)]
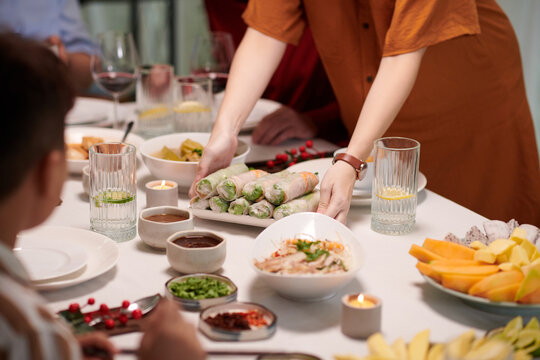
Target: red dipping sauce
[(197, 241), (165, 218)]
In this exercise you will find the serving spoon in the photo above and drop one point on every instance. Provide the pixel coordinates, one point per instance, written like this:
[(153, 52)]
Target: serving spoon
[(128, 130), (145, 304)]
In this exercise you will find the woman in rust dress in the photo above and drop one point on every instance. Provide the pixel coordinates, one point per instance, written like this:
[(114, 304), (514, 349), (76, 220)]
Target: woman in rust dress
[(446, 73)]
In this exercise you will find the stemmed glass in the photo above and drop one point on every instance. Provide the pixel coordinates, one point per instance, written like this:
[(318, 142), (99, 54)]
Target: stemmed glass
[(212, 57), (114, 66)]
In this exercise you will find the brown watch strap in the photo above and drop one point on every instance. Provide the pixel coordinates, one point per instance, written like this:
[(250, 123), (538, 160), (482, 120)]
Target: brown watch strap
[(359, 165)]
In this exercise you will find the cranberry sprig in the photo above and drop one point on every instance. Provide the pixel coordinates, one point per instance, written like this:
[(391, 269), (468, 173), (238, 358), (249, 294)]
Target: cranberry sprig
[(294, 156)]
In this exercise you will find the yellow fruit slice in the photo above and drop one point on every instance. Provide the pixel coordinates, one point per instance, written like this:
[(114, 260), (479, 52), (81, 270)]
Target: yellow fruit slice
[(191, 107), (156, 112), (394, 193)]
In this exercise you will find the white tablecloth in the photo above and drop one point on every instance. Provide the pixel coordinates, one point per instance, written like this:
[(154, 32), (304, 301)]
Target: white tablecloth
[(409, 304)]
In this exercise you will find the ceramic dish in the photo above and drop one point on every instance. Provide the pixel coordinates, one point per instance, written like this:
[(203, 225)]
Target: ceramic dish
[(190, 260), (51, 258), (307, 287), (102, 254), (504, 308), (88, 111), (182, 172), (197, 305), (75, 134), (230, 218), (219, 334), (154, 233), (360, 197)]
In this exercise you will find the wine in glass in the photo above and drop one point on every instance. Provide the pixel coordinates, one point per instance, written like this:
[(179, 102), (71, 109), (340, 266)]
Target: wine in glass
[(114, 66), (212, 57)]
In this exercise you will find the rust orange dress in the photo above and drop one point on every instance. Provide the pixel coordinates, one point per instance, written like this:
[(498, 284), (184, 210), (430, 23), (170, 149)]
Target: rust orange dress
[(468, 106)]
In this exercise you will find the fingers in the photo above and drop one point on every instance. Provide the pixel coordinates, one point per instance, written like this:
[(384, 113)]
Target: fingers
[(336, 191), (283, 124), (202, 171), (98, 343)]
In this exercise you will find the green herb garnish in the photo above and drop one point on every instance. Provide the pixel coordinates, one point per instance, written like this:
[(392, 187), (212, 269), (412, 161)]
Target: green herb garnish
[(198, 151), (305, 246)]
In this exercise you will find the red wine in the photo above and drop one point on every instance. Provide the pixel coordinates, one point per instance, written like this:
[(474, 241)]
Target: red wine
[(116, 82), (219, 80)]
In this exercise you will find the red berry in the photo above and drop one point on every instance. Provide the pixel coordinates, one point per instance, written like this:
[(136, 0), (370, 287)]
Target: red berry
[(136, 314), (109, 324), (74, 307), (103, 308), (123, 319), (278, 157), (292, 163), (302, 148), (91, 301), (270, 164), (321, 155), (293, 151), (284, 157), (87, 318), (309, 143), (304, 155), (125, 304)]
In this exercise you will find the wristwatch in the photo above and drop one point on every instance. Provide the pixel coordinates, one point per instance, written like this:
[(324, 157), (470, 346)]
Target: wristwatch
[(360, 166)]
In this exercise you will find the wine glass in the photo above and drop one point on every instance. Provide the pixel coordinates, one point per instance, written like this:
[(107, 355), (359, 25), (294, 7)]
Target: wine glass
[(212, 57), (114, 66)]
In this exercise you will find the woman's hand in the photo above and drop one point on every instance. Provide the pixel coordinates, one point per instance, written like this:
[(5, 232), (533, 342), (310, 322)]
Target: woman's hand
[(283, 124), (98, 341), (217, 154), (336, 191)]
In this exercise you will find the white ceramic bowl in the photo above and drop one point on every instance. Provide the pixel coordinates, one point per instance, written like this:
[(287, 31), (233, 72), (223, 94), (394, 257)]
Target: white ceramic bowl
[(309, 287), (366, 182), (196, 260), (74, 134), (183, 172), (155, 234)]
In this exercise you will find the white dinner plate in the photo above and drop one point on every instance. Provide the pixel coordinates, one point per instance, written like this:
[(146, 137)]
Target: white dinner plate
[(230, 218), (88, 111), (74, 134), (102, 253), (359, 197), (48, 258), (504, 308), (262, 108)]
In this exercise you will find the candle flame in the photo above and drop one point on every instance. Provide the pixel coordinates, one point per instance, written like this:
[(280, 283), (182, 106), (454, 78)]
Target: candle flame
[(162, 183), (360, 298)]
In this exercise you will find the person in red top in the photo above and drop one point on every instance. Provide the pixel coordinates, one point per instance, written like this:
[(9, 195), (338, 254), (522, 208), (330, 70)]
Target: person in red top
[(300, 83)]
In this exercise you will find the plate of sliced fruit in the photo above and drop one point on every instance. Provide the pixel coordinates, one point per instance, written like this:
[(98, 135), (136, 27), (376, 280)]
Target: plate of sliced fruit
[(498, 273)]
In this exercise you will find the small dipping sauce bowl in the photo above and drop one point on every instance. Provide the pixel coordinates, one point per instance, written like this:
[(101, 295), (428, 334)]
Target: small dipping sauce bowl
[(200, 304), (161, 192), (360, 315), (195, 251), (156, 224)]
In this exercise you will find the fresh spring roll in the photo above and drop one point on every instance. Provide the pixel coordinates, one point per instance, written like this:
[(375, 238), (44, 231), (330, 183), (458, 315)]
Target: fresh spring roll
[(199, 204), (239, 206), (291, 187), (308, 202), (262, 209), (254, 190), (231, 188), (206, 187), (219, 205)]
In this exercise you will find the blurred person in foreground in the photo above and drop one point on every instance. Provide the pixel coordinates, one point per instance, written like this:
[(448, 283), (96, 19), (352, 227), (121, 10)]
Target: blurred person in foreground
[(58, 23), (36, 95), (299, 83), (446, 73)]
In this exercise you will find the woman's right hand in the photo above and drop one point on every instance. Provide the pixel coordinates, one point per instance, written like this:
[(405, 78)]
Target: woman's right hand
[(217, 154)]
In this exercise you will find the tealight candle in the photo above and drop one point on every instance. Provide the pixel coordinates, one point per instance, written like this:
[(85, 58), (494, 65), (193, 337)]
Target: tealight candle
[(360, 315), (161, 193)]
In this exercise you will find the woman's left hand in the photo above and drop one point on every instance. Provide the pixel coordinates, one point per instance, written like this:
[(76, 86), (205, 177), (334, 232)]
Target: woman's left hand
[(336, 191)]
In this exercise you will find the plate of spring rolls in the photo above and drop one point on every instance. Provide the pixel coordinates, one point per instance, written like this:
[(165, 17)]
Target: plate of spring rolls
[(360, 197), (254, 197)]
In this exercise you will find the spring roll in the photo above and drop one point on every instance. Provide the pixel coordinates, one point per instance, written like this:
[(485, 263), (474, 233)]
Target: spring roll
[(291, 187), (262, 209), (199, 204), (231, 188), (239, 206), (219, 205), (308, 202), (254, 190), (206, 187)]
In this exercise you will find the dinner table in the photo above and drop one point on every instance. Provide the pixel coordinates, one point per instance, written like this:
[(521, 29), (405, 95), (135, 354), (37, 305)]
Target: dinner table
[(409, 304)]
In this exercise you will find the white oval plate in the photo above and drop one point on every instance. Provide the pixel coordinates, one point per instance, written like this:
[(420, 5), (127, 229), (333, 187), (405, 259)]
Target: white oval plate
[(75, 134), (88, 111), (359, 197), (48, 258), (230, 218), (102, 254)]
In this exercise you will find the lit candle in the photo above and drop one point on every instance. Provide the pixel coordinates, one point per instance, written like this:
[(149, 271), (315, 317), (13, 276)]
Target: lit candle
[(361, 302), (163, 186)]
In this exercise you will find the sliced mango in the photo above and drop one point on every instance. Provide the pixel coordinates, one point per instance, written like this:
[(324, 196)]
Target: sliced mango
[(448, 249), (427, 270), (500, 246), (496, 280), (466, 270), (423, 254), (529, 285), (461, 283), (419, 345), (485, 255), (503, 293)]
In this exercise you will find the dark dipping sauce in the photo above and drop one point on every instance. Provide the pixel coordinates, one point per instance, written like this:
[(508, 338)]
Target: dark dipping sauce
[(165, 218), (197, 241)]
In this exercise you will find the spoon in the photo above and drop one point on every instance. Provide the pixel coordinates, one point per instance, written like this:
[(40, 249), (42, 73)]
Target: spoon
[(145, 304), (128, 130)]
